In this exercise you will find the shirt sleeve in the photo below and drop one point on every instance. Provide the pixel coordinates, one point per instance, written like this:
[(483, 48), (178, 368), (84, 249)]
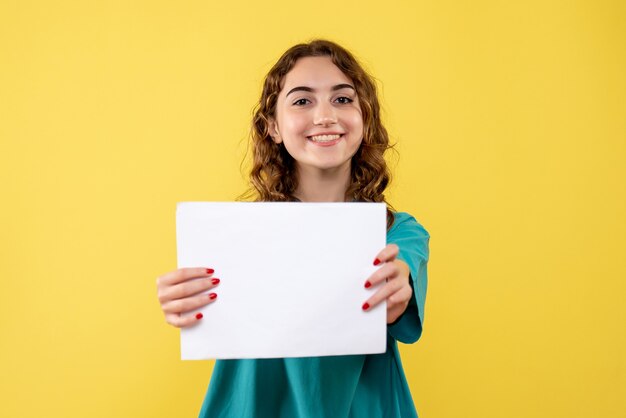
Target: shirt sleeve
[(412, 239)]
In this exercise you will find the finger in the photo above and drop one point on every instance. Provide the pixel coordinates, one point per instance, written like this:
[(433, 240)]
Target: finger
[(190, 288), (387, 271), (189, 304), (397, 303), (389, 253), (182, 321), (183, 274), (383, 293), (400, 298)]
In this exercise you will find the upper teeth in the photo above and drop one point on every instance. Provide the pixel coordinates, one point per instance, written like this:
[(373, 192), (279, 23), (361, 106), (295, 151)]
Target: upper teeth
[(324, 138)]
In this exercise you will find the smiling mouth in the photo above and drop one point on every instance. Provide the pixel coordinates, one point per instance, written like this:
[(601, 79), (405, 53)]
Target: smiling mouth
[(324, 139)]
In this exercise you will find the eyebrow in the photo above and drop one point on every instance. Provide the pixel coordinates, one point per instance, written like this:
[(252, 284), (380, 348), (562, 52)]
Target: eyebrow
[(309, 89)]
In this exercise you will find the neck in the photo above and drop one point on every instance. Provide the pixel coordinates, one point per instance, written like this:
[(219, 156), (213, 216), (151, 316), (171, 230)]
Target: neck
[(323, 186)]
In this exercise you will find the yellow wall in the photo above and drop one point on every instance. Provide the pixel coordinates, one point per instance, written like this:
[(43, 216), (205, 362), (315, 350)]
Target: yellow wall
[(510, 119)]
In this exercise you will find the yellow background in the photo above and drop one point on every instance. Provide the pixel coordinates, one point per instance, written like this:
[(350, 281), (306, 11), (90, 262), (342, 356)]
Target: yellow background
[(510, 119)]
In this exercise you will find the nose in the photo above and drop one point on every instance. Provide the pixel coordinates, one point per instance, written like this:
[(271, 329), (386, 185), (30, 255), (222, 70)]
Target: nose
[(325, 114)]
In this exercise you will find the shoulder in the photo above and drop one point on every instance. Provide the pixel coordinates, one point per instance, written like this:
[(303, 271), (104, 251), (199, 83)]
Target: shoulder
[(405, 223), (409, 235)]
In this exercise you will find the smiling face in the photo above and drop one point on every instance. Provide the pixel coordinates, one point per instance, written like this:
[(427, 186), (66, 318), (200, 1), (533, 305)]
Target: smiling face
[(318, 116)]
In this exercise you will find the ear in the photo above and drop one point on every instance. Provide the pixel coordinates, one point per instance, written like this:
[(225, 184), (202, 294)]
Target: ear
[(273, 130)]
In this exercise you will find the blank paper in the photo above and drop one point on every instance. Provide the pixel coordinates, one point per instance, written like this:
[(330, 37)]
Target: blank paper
[(292, 278)]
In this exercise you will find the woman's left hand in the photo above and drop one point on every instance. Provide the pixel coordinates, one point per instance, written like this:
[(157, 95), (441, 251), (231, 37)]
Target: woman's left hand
[(394, 276)]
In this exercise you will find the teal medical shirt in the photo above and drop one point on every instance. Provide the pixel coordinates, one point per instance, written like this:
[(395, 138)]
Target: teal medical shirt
[(358, 386)]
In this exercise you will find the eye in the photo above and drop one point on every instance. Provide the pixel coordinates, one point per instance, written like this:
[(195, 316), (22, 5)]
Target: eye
[(301, 102), (344, 100)]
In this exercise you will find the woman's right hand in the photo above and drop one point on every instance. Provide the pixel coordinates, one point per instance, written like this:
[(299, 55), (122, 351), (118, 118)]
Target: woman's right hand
[(180, 293)]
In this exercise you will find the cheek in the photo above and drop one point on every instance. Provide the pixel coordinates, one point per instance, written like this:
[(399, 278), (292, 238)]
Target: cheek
[(356, 122), (293, 123)]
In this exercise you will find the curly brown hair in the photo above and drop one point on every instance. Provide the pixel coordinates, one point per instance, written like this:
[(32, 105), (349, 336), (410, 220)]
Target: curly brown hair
[(273, 176)]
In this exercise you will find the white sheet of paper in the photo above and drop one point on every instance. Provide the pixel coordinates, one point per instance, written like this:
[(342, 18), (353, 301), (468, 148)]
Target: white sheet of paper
[(292, 278)]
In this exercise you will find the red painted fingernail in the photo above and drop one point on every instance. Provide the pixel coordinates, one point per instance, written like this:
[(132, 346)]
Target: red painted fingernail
[(212, 296), (366, 306), (376, 262), (198, 316), (367, 284), (215, 281), (210, 271)]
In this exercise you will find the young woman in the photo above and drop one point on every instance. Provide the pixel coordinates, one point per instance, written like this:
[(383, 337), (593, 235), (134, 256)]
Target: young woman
[(317, 137)]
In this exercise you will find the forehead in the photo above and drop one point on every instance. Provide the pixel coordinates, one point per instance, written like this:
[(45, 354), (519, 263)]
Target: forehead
[(318, 73)]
